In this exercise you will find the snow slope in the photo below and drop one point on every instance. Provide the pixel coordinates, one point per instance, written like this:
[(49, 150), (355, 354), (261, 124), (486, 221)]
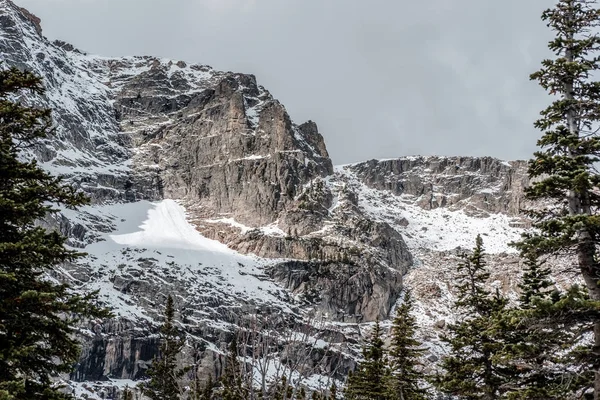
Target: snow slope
[(438, 229), (154, 241)]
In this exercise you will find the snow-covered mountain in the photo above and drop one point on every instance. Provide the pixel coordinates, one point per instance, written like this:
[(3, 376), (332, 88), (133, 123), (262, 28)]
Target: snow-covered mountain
[(203, 187)]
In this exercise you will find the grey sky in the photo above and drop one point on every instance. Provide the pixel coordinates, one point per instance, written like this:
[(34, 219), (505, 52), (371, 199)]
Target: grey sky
[(382, 78)]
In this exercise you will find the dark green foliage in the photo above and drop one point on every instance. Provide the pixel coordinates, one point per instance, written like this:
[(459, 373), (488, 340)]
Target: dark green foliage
[(36, 315), (333, 391), (532, 347), (201, 391), (208, 389), (567, 180), (127, 394), (283, 391), (470, 370), (231, 380), (535, 282), (164, 374), (405, 378), (473, 296), (367, 382)]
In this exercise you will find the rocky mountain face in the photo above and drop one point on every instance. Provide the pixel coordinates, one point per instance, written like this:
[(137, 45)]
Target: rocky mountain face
[(202, 186)]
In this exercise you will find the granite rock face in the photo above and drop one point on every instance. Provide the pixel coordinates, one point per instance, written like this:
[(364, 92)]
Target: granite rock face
[(476, 185)]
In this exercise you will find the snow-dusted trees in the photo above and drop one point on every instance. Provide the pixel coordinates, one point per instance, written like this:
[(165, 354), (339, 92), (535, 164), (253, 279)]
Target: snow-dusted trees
[(406, 377), (470, 371), (393, 373), (37, 315), (566, 165), (368, 381), (272, 357)]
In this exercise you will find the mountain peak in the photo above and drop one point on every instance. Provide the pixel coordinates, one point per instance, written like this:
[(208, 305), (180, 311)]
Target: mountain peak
[(10, 11), (34, 19)]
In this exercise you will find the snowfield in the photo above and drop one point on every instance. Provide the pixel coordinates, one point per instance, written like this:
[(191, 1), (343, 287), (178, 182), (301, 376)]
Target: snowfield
[(438, 229), (155, 241)]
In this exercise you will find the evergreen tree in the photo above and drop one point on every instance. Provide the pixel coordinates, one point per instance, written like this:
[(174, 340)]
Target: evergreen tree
[(470, 370), (301, 395), (367, 382), (405, 351), (532, 347), (231, 380), (567, 179), (201, 391), (535, 281), (37, 315), (208, 389), (333, 391), (127, 394), (164, 374)]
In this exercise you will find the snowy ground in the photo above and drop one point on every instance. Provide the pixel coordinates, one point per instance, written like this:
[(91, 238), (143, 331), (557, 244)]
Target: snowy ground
[(160, 232), (439, 229)]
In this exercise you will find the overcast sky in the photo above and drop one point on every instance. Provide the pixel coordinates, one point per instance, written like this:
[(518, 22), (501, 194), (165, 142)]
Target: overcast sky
[(381, 78)]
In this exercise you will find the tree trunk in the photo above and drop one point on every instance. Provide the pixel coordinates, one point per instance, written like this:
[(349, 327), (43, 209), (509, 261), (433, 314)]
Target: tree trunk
[(579, 204)]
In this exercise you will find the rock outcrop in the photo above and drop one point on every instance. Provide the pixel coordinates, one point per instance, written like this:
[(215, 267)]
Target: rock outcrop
[(480, 186)]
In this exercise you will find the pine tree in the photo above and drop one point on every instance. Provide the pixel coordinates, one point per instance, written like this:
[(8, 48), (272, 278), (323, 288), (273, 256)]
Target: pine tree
[(569, 149), (201, 391), (405, 379), (535, 281), (532, 347), (333, 391), (127, 394), (473, 295), (208, 389), (470, 370), (231, 380), (37, 315), (164, 373), (367, 382), (301, 395)]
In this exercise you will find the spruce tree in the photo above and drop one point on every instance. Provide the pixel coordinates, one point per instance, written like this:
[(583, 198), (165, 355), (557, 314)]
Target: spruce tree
[(201, 391), (231, 380), (532, 348), (37, 315), (333, 391), (564, 167), (405, 379), (127, 394), (470, 370), (208, 389), (535, 282), (367, 382), (164, 373)]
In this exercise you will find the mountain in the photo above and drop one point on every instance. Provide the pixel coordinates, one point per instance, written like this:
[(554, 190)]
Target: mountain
[(203, 187)]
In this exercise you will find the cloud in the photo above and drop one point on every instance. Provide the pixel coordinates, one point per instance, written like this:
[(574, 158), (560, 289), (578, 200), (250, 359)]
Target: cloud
[(228, 5), (381, 78)]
